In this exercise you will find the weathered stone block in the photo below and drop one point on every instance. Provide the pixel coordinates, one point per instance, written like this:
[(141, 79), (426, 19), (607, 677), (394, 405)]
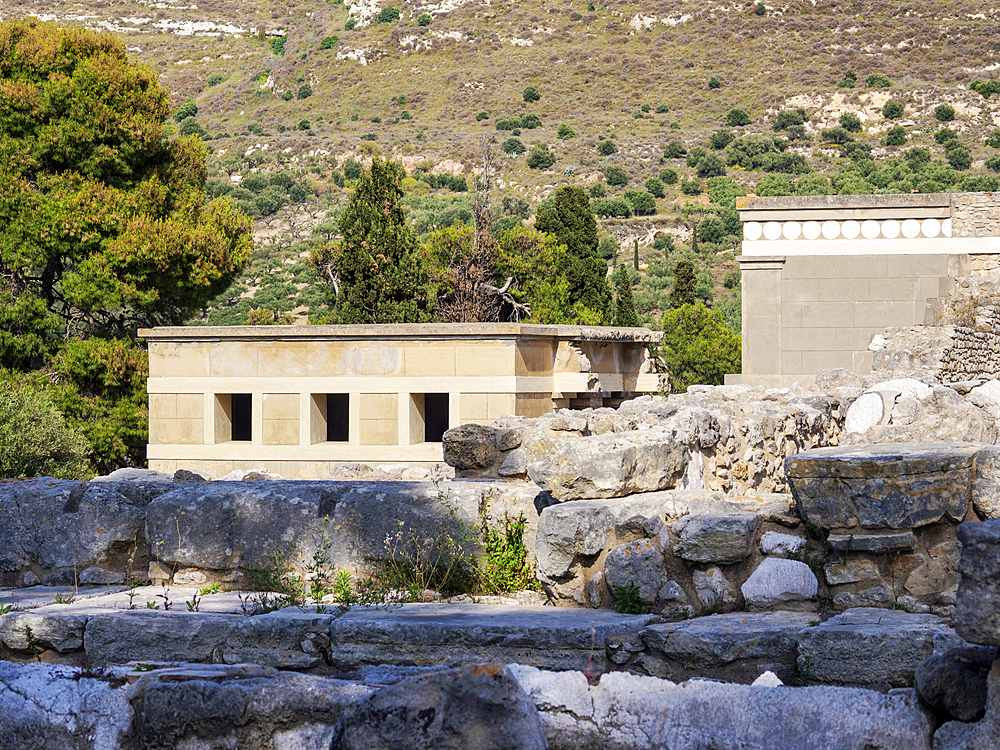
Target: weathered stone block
[(639, 564), (872, 543), (892, 486), (875, 648), (724, 538), (612, 465), (977, 609), (777, 581)]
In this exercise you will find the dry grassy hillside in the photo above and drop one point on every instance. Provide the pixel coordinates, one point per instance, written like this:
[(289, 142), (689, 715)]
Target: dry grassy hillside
[(425, 88)]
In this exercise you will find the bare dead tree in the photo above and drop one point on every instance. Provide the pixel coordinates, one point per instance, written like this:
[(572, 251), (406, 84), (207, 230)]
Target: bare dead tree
[(472, 296)]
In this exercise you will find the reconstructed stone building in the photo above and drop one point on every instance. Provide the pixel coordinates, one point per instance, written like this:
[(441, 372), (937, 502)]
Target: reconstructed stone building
[(296, 399), (823, 274)]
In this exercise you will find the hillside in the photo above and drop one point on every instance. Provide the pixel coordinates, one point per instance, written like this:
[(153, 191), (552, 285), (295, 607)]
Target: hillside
[(289, 88)]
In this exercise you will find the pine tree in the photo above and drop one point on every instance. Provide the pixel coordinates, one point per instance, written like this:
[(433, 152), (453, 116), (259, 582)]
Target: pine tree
[(377, 270), (682, 292), (569, 218), (625, 314)]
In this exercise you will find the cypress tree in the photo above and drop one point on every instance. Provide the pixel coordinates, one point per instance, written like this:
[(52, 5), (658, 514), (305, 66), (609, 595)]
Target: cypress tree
[(569, 218), (625, 314), (682, 292), (381, 272), (635, 254)]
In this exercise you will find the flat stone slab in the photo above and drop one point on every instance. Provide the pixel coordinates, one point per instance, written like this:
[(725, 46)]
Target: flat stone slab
[(977, 607), (870, 647), (41, 596), (737, 646), (887, 486), (454, 634)]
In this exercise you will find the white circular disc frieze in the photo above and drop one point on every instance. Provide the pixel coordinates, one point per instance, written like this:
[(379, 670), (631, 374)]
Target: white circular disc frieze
[(772, 230), (850, 229), (831, 229), (946, 227), (930, 228), (752, 230), (911, 228), (792, 230), (811, 230), (870, 229), (890, 229)]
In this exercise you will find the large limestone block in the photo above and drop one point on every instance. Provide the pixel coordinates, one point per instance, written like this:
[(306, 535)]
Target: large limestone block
[(982, 735), (777, 581), (479, 706), (893, 486), (611, 465), (471, 447), (241, 706), (580, 528), (43, 706), (58, 631), (986, 488), (286, 639), (455, 634), (146, 635), (868, 647), (632, 712), (61, 524), (956, 682), (733, 646), (212, 525), (724, 538), (638, 564), (977, 608)]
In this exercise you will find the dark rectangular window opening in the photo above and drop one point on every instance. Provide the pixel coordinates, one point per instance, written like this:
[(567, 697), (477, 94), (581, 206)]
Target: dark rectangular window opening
[(338, 423), (242, 416), (435, 416)]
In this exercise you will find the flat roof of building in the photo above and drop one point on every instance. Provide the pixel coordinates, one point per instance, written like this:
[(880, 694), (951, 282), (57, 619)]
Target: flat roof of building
[(403, 331)]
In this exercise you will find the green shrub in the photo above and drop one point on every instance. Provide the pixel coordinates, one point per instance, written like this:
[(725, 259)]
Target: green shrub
[(774, 184), (760, 9), (787, 118), (564, 132), (387, 15), (34, 438), (642, 202), (675, 149), (530, 94), (895, 136), (850, 122), (191, 126), (606, 147), (424, 19), (993, 139), (669, 176), (661, 109), (892, 110), (710, 165), (351, 23), (691, 187), (721, 138), (352, 170), (288, 95), (855, 150), (655, 187), (305, 125), (697, 347), (944, 135), (985, 88), (978, 183), (507, 123), (305, 91), (878, 81), (958, 155), (482, 116), (215, 79), (329, 42), (540, 157), (944, 112), (713, 83), (597, 190), (616, 175), (531, 121), (917, 158), (607, 248), (695, 155), (513, 146), (611, 207), (848, 81), (278, 45), (187, 109), (993, 163), (838, 135), (405, 115), (737, 117)]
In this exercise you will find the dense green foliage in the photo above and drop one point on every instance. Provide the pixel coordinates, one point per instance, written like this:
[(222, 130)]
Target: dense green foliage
[(625, 314), (376, 272), (697, 347), (569, 218), (683, 291), (104, 228), (34, 438), (541, 157)]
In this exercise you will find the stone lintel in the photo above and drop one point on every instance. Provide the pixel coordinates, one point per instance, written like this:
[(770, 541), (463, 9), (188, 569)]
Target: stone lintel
[(875, 543)]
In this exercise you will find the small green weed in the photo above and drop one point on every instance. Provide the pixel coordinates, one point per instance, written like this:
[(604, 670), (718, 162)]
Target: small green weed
[(627, 599), (801, 676), (212, 588)]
